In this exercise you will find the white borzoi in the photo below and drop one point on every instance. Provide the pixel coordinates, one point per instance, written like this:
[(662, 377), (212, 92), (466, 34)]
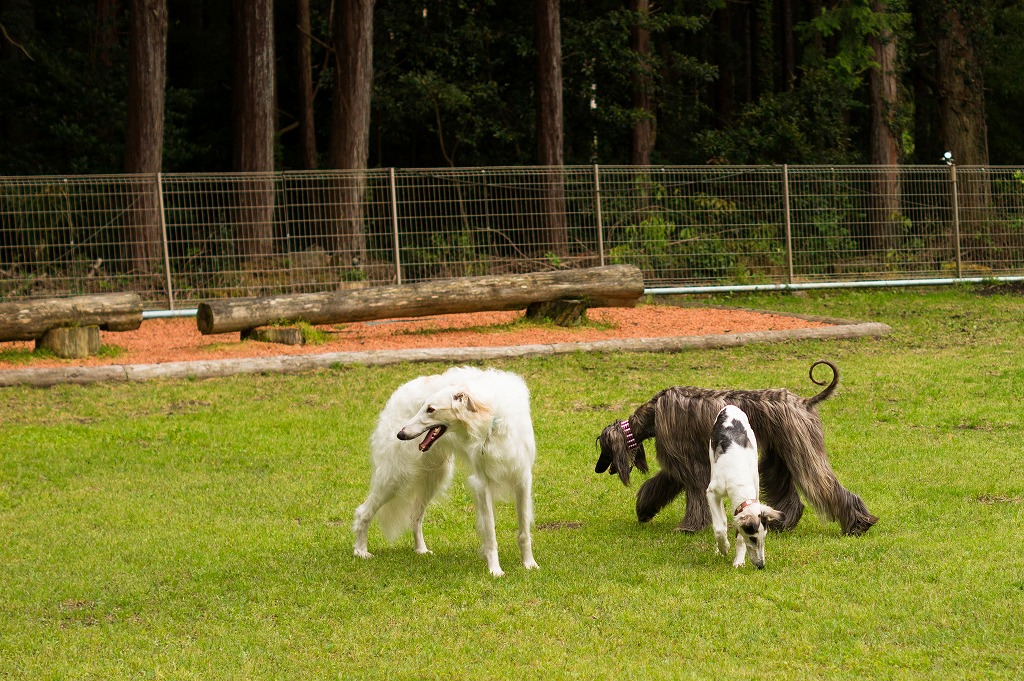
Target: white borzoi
[(482, 418), (733, 452)]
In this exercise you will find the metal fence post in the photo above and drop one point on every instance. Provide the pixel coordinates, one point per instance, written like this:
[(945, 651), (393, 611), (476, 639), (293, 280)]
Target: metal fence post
[(956, 219), (163, 237), (394, 224), (597, 212), (788, 223)]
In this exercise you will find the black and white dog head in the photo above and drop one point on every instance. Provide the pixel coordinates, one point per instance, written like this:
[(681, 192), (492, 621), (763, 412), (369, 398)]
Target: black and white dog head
[(751, 523), (620, 451)]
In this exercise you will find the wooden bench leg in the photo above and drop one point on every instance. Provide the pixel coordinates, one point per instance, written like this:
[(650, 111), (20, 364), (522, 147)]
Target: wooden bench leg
[(71, 342), (565, 312), (285, 335)]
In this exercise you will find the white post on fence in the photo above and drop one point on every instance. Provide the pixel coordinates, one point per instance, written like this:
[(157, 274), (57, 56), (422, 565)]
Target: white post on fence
[(394, 224), (597, 211), (789, 226), (956, 218), (163, 236)]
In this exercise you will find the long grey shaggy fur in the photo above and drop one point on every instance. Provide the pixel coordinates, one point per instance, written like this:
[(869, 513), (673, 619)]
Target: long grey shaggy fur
[(792, 462)]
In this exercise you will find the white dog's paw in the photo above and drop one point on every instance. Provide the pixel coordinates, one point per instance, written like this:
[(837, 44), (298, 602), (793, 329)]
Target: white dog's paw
[(531, 564), (497, 572), (362, 553), (423, 550), (723, 546), (738, 563)]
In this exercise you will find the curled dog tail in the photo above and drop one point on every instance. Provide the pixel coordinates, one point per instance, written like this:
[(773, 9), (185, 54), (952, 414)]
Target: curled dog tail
[(831, 387)]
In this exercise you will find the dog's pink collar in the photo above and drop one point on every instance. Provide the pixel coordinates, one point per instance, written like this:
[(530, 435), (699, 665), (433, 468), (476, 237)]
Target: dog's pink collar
[(739, 509), (630, 440)]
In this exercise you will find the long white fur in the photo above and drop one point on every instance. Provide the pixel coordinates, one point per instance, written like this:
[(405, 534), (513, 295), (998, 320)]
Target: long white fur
[(489, 429), (734, 475)]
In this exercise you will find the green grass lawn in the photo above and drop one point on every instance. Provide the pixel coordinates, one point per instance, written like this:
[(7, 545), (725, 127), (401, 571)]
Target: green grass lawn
[(201, 529)]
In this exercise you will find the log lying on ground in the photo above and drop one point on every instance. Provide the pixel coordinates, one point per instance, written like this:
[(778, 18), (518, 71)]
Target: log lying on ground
[(30, 319), (611, 286)]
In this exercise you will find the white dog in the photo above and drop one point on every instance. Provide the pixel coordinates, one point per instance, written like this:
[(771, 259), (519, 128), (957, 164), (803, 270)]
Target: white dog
[(733, 451), (481, 417)]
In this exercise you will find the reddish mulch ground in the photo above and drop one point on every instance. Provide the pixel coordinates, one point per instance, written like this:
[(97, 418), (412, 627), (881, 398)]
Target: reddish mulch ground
[(174, 340)]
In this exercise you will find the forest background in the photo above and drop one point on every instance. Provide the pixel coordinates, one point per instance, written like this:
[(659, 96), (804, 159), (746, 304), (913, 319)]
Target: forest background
[(109, 86)]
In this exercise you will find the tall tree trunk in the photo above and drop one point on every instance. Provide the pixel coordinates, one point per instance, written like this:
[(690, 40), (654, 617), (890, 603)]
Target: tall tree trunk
[(725, 57), (550, 125), (961, 104), (253, 124), (105, 36), (788, 46), (884, 143), (350, 126), (764, 47), (644, 121), (961, 89), (307, 129), (144, 128)]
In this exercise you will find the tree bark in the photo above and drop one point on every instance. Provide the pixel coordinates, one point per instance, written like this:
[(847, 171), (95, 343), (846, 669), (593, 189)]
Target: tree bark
[(254, 124), (30, 319), (350, 127), (886, 224), (788, 46), (960, 90), (144, 128), (307, 128), (725, 57), (550, 125), (644, 122), (105, 36), (611, 286)]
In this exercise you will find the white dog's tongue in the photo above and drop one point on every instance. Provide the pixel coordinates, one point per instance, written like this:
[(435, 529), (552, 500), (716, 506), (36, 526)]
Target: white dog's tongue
[(431, 438)]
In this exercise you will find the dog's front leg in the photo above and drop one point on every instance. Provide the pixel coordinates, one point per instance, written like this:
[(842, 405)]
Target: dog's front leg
[(485, 523), (719, 522), (741, 551), (419, 545)]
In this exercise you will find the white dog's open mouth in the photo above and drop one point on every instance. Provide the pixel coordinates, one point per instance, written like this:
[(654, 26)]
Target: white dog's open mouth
[(432, 436)]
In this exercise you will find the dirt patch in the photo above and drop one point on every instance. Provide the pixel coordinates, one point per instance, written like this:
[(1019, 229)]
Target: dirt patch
[(176, 340)]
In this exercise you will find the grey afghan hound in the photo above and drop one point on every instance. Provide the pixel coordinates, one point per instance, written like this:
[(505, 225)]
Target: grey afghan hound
[(793, 460)]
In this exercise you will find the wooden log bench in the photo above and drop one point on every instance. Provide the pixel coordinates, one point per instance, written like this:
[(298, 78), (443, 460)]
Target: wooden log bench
[(70, 327), (610, 286)]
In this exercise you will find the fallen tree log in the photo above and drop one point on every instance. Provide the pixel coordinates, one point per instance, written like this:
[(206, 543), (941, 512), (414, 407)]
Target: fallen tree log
[(611, 286), (30, 319)]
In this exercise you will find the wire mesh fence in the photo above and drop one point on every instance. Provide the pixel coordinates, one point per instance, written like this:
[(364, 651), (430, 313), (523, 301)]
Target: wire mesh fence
[(179, 239)]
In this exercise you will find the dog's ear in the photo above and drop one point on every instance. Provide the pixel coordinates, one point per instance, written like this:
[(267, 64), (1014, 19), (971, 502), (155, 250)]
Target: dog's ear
[(463, 398), (769, 514), (640, 459), (604, 461)]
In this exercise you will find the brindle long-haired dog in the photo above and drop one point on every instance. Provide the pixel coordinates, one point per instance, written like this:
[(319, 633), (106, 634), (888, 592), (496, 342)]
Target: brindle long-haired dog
[(793, 460)]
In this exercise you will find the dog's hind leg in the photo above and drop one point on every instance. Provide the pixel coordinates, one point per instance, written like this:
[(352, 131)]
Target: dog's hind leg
[(719, 521), (363, 515), (524, 512), (485, 523), (809, 472), (778, 490), (655, 494)]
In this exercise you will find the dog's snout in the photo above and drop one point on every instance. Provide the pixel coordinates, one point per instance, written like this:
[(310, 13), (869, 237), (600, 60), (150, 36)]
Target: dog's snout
[(402, 435), (759, 565)]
